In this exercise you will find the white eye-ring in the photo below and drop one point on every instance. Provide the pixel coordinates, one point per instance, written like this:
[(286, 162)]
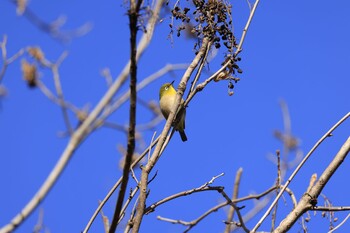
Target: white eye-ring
[(166, 88)]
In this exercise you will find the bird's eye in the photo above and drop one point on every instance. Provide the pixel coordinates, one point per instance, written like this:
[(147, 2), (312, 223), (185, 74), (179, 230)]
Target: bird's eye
[(166, 88)]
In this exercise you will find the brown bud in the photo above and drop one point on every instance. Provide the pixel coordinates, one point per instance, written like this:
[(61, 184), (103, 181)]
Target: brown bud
[(29, 73), (21, 6), (81, 115), (36, 53)]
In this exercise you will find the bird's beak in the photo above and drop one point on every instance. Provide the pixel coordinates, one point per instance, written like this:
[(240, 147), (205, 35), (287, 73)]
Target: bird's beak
[(172, 82)]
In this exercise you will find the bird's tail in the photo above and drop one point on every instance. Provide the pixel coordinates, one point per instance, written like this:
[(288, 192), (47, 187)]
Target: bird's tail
[(183, 135)]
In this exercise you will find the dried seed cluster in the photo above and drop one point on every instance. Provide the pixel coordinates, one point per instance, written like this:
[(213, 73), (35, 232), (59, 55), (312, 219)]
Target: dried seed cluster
[(211, 19)]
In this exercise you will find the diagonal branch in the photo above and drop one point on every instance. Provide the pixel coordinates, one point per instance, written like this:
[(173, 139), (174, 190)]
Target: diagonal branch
[(6, 61), (133, 19), (309, 199), (83, 131), (60, 97), (204, 187), (340, 224), (202, 85), (157, 152), (124, 97), (116, 185), (53, 28), (326, 135), (234, 196)]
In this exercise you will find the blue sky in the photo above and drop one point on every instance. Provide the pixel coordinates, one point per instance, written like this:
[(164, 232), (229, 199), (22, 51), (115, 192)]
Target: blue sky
[(297, 51)]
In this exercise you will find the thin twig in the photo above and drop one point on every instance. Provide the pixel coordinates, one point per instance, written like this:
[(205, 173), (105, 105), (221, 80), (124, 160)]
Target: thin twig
[(105, 221), (56, 77), (326, 135), (309, 200), (150, 149), (211, 210), (106, 73), (245, 30), (157, 151), (173, 221), (229, 201), (46, 91), (7, 61), (151, 124), (234, 196), (145, 82), (278, 183), (204, 187), (201, 86), (128, 201), (255, 196), (39, 226), (54, 28), (111, 191), (199, 71), (133, 175), (59, 92), (200, 218), (84, 129), (340, 224), (292, 197), (130, 222), (331, 208)]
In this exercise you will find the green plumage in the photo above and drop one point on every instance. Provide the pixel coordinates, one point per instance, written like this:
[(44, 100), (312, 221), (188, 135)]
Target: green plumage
[(167, 96)]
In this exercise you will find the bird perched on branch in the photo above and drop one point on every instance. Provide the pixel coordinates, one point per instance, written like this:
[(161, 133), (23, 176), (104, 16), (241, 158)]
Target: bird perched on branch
[(167, 96)]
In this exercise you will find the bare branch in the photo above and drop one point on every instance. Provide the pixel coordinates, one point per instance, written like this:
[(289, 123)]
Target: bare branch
[(128, 201), (6, 61), (309, 200), (278, 183), (39, 226), (123, 98), (204, 187), (54, 99), (326, 135), (84, 129), (200, 218), (173, 221), (38, 55), (245, 30), (157, 151), (106, 73), (105, 221), (331, 208), (229, 201), (234, 196), (58, 86), (340, 224), (103, 202), (199, 71), (53, 28), (133, 20), (202, 85)]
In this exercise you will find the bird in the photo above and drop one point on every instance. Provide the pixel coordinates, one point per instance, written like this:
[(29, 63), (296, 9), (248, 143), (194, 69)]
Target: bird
[(167, 96)]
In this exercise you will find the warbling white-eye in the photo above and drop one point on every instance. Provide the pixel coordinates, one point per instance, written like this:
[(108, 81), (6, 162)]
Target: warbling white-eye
[(167, 96)]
